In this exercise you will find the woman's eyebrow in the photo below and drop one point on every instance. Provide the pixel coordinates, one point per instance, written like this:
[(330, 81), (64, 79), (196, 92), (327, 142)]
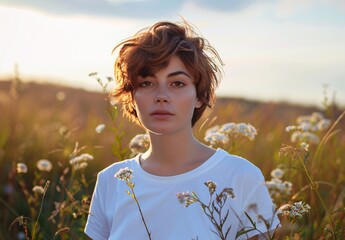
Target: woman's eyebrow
[(178, 73)]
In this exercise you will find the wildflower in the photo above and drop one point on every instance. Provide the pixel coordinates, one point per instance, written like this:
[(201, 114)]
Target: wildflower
[(211, 186), (186, 198), (293, 152), (323, 124), (305, 146), (22, 168), (294, 211), (100, 128), (124, 174), (277, 187), (247, 130), (222, 134), (85, 157), (229, 128), (216, 137), (277, 173), (227, 192), (44, 165), (213, 129), (38, 189), (290, 128), (306, 137), (80, 166), (140, 143), (81, 162)]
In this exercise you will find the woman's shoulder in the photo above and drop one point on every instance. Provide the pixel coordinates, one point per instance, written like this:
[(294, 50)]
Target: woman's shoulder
[(237, 163)]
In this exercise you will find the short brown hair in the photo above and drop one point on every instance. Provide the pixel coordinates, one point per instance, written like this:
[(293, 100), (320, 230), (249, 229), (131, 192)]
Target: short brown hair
[(150, 50)]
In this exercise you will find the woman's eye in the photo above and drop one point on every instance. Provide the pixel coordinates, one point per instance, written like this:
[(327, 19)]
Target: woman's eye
[(145, 84), (178, 84)]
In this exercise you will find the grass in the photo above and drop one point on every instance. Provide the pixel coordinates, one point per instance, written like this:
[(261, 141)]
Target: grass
[(57, 123)]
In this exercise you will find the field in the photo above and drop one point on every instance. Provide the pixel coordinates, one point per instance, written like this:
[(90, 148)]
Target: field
[(56, 123)]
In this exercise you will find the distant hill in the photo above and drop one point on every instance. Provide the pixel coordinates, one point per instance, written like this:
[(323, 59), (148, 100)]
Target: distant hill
[(77, 104)]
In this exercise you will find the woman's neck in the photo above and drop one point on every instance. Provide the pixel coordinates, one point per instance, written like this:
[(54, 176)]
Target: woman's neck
[(170, 155)]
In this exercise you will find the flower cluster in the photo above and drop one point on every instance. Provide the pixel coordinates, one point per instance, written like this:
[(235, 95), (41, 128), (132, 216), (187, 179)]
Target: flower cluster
[(294, 211), (124, 174), (276, 186), (22, 168), (44, 165), (140, 143), (186, 198), (307, 126), (81, 162), (213, 209), (222, 134)]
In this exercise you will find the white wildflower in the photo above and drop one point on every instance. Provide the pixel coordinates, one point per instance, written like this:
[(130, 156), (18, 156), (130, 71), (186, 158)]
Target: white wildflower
[(38, 189), (44, 165), (277, 173), (305, 146), (100, 128), (306, 137), (323, 124), (290, 128), (247, 130), (229, 128), (85, 157), (316, 117), (140, 143), (306, 126), (216, 137), (22, 168), (81, 162), (124, 174), (277, 187), (294, 211), (80, 166)]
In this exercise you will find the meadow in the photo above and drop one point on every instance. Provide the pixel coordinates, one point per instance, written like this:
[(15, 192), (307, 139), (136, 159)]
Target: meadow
[(54, 140)]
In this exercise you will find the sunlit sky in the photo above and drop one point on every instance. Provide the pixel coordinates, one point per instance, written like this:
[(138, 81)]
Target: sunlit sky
[(273, 50)]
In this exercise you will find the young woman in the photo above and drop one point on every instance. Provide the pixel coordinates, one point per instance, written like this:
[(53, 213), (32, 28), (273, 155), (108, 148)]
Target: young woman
[(165, 78)]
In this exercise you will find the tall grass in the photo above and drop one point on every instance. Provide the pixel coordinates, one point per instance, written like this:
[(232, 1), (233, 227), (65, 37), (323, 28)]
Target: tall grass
[(58, 124)]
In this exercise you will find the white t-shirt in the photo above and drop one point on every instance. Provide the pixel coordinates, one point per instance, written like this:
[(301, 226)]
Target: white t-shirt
[(114, 214)]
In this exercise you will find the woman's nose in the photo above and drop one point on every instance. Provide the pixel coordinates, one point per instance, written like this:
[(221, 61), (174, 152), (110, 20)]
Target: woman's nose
[(162, 95)]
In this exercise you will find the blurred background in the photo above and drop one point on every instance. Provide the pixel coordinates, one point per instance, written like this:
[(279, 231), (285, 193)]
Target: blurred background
[(284, 50)]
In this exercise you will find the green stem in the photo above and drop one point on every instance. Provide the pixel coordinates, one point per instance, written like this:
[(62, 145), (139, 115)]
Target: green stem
[(141, 213), (314, 188), (41, 207)]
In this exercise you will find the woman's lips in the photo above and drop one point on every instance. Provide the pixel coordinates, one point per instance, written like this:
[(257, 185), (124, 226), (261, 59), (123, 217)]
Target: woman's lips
[(161, 112)]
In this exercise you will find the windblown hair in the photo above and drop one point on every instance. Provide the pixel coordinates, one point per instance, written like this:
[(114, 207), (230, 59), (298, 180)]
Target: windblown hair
[(150, 50)]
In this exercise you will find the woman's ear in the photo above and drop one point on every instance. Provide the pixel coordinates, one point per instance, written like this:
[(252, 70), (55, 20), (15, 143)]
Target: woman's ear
[(198, 104)]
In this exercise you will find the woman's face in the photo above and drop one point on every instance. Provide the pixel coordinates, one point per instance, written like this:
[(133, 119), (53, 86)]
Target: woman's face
[(165, 102)]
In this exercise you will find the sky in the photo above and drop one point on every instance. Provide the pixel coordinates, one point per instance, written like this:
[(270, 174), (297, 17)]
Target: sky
[(273, 50)]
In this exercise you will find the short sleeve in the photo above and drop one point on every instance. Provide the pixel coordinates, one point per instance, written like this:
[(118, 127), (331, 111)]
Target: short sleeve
[(258, 205), (96, 226)]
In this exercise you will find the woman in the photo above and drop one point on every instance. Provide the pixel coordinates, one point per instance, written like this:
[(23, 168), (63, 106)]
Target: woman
[(165, 78)]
